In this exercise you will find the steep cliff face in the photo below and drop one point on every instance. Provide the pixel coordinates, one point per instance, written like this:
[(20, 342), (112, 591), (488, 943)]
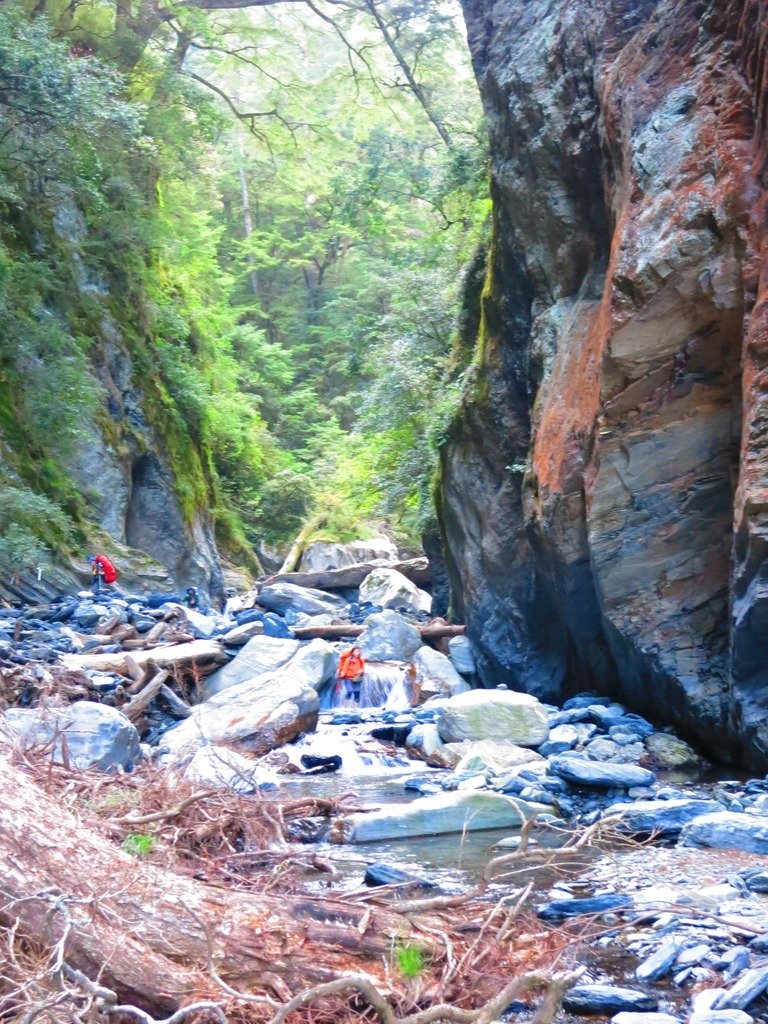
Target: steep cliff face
[(605, 488)]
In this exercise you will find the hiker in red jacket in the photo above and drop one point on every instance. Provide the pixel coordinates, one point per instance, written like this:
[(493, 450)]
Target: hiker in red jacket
[(103, 572)]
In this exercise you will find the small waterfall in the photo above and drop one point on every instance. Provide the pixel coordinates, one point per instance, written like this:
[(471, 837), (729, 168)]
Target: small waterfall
[(385, 685)]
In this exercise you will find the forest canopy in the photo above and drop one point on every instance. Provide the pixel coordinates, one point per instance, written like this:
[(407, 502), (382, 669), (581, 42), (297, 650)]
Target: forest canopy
[(281, 198)]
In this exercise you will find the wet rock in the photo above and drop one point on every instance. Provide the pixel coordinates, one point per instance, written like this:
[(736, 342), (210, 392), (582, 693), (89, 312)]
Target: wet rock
[(85, 734), (389, 637), (434, 815), (494, 715), (260, 655), (726, 830), (560, 910), (282, 597), (423, 740), (383, 874), (461, 654), (591, 774), (436, 675), (388, 588), (671, 752), (662, 817), (320, 765), (607, 999)]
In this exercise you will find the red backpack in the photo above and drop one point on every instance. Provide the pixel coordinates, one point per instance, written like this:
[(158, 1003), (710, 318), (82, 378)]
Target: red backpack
[(110, 572)]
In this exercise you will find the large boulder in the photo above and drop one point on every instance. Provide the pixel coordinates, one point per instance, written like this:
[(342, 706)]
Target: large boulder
[(435, 815), (321, 554), (389, 637), (256, 715), (727, 830), (435, 674), (84, 734), (315, 662), (388, 588), (670, 751), (224, 769), (284, 597), (494, 715), (580, 772), (260, 655), (495, 757)]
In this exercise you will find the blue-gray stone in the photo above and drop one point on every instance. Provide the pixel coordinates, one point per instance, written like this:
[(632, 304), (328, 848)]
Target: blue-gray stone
[(605, 999), (559, 910), (595, 775)]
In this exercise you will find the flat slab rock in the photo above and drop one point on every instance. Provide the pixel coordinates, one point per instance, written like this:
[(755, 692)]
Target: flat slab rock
[(728, 830), (605, 999), (663, 817), (436, 815), (596, 775), (559, 910)]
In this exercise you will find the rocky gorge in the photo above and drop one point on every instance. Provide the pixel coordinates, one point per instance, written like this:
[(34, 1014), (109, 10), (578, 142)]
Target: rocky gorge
[(601, 494)]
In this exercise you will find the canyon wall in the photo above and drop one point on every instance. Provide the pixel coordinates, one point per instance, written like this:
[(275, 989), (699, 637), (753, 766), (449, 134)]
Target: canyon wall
[(604, 488)]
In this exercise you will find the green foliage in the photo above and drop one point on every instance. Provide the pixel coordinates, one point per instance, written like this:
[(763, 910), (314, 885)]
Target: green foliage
[(29, 525), (138, 845), (409, 959)]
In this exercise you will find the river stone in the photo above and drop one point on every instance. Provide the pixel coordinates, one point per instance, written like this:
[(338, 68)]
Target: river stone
[(727, 830), (721, 1017), (237, 636), (559, 910), (283, 597), (389, 637), (423, 740), (664, 817), (388, 588), (316, 662), (435, 815), (86, 734), (223, 769), (495, 757), (435, 675), (257, 715), (261, 654), (461, 654), (494, 715), (750, 985), (594, 775), (671, 752), (627, 1017), (447, 755), (660, 962), (605, 999)]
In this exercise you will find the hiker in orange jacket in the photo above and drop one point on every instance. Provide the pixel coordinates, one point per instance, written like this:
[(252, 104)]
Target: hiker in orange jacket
[(350, 672)]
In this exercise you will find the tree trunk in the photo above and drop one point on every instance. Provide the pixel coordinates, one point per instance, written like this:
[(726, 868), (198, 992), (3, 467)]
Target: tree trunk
[(150, 934), (437, 632)]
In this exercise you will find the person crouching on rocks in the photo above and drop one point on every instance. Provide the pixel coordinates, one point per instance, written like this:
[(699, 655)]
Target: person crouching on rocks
[(349, 674), (103, 571)]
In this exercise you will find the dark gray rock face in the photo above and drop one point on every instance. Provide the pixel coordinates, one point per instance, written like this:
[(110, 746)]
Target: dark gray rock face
[(587, 497)]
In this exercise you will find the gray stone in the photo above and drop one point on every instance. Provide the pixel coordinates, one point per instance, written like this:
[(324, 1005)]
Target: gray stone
[(283, 597), (721, 1017), (749, 986), (605, 999), (260, 655), (495, 757), (224, 769), (423, 740), (660, 961), (321, 555), (693, 955), (726, 830), (461, 654), (435, 815), (242, 634), (389, 637), (436, 675), (664, 817), (592, 774), (671, 752), (388, 588), (315, 661), (86, 734), (494, 715)]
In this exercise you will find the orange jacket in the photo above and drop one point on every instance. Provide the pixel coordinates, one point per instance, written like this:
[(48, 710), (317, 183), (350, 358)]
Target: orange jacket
[(351, 665)]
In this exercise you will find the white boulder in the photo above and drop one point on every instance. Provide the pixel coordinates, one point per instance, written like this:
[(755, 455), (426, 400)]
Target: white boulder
[(388, 588), (494, 715)]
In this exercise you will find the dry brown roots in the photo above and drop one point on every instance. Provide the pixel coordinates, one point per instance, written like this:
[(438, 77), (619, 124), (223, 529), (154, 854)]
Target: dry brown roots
[(211, 922)]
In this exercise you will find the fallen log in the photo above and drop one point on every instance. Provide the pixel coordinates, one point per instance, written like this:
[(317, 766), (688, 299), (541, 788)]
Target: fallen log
[(197, 653), (415, 569), (341, 630), (153, 935), (136, 707)]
